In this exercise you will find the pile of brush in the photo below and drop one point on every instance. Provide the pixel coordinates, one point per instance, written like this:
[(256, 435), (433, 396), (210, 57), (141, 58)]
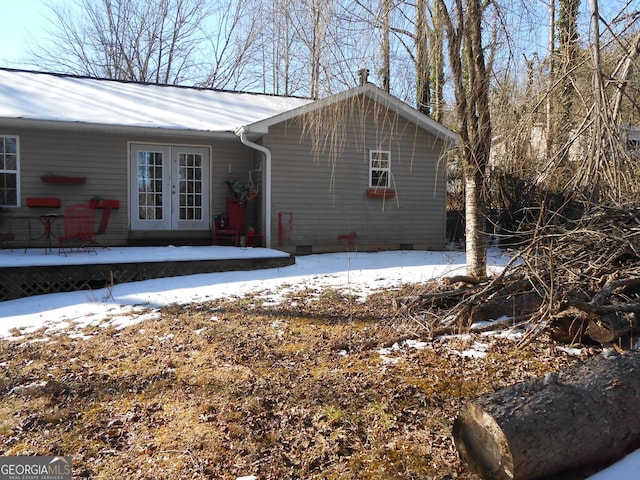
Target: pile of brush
[(576, 275)]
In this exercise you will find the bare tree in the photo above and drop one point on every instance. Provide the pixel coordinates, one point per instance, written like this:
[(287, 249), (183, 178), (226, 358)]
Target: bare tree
[(609, 171), (298, 46), (422, 37), (233, 43), (436, 57), (385, 70), (566, 59), (282, 41), (276, 51), (127, 39), (463, 26)]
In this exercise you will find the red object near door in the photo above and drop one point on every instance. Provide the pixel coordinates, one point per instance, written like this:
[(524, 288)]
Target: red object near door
[(233, 225), (285, 227)]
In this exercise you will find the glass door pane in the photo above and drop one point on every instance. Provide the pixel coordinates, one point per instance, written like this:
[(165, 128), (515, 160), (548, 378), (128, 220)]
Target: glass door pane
[(150, 188), (150, 194), (190, 184)]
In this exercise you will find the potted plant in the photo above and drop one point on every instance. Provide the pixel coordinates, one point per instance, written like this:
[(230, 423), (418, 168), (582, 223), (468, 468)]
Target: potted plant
[(240, 191)]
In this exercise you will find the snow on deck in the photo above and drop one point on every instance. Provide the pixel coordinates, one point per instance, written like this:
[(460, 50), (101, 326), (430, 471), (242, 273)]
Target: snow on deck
[(38, 256)]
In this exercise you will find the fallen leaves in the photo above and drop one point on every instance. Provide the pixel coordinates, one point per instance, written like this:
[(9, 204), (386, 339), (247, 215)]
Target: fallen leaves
[(237, 388)]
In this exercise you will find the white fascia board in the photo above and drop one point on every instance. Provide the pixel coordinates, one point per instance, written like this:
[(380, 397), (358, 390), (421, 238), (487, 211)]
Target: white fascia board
[(370, 90), (112, 129)]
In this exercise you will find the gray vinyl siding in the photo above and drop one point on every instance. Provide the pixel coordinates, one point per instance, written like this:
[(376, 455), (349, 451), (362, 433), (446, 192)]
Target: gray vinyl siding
[(230, 161), (103, 159), (327, 200), (98, 157), (323, 198)]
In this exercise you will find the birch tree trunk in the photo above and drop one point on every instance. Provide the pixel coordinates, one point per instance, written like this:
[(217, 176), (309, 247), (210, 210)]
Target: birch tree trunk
[(475, 221), (463, 27)]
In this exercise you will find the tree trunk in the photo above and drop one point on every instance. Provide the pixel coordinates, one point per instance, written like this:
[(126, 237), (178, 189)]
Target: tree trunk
[(318, 30), (436, 57), (423, 89), (471, 81), (567, 58), (585, 416), (551, 60), (475, 231), (385, 71), (622, 79)]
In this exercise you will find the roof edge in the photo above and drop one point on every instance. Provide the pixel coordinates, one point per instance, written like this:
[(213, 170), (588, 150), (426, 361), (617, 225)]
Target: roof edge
[(110, 128), (152, 84), (372, 91)]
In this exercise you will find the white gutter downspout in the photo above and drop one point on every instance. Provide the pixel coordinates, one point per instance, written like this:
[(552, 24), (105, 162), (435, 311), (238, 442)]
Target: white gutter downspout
[(242, 134)]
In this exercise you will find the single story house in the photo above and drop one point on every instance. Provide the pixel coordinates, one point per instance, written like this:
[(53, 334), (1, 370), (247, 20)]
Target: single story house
[(359, 169)]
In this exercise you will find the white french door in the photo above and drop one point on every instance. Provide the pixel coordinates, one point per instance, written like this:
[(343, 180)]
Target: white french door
[(169, 187)]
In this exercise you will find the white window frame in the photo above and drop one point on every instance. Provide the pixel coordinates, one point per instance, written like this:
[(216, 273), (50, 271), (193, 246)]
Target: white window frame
[(375, 171), (4, 170)]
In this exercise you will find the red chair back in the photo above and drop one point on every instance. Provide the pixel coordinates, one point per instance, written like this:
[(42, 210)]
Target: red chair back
[(79, 222)]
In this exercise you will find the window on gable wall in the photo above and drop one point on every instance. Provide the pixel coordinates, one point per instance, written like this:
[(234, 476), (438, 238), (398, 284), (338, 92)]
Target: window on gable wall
[(379, 169), (9, 170)]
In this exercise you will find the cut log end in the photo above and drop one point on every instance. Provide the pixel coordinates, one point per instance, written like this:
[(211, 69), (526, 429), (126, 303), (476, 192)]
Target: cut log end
[(611, 327), (482, 444), (589, 411)]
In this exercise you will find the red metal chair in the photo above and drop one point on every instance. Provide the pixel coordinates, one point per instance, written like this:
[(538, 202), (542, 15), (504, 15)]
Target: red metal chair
[(102, 227), (230, 228), (79, 228)]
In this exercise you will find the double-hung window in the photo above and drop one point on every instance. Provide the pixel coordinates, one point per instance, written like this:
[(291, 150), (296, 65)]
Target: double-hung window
[(9, 152), (379, 169)]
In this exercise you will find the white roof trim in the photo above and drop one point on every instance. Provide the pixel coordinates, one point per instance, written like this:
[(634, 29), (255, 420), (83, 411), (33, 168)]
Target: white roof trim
[(65, 101), (67, 126), (262, 127)]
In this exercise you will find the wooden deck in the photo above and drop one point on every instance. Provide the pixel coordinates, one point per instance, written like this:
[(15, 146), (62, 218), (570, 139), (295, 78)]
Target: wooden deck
[(37, 272)]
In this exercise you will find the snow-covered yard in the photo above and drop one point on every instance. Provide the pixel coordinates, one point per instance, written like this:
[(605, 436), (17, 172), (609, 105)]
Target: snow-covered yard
[(355, 273)]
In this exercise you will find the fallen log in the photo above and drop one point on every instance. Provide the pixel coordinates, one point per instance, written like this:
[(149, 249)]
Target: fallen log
[(564, 421), (611, 327), (570, 325)]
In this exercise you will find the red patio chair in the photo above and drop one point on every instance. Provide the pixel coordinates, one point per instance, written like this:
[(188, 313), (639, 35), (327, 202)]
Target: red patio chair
[(79, 228), (102, 227)]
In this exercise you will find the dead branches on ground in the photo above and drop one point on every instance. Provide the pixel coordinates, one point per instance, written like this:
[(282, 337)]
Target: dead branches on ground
[(578, 277)]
